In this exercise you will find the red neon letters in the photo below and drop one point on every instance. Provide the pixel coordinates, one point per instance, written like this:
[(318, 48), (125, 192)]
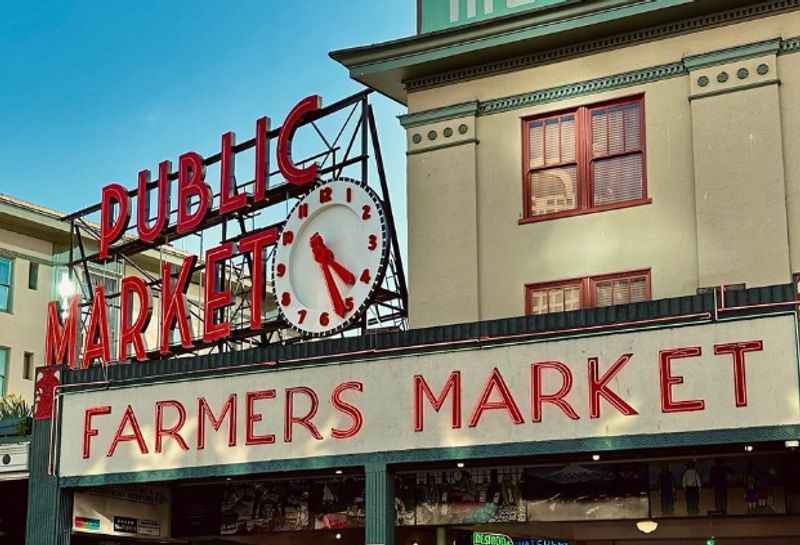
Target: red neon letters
[(195, 196)]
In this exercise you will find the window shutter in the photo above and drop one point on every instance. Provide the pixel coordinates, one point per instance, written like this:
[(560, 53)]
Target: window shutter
[(618, 180), (604, 294), (638, 289), (617, 168)]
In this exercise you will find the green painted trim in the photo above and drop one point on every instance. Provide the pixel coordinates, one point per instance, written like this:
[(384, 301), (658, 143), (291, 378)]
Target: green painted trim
[(443, 146), (754, 85), (465, 109), (613, 82), (379, 504), (527, 32), (725, 56), (790, 45), (617, 41), (588, 87), (13, 254), (595, 444)]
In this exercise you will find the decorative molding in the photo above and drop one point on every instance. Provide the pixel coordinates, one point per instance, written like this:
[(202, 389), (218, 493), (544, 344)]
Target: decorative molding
[(718, 92), (608, 83), (464, 109), (733, 54), (562, 92), (617, 41)]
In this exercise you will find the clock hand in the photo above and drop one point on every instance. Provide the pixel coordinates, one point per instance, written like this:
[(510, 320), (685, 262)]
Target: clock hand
[(346, 276), (324, 257), (333, 291), (323, 254)]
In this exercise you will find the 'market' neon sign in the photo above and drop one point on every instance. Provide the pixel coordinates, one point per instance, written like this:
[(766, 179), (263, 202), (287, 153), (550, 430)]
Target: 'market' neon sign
[(194, 209)]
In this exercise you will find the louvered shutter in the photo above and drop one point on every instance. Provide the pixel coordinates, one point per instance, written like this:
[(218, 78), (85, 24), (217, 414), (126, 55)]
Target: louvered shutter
[(553, 175), (622, 290), (617, 155), (555, 299)]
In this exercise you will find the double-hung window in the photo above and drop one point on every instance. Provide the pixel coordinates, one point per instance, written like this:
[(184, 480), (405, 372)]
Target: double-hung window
[(6, 283), (584, 160), (589, 291)]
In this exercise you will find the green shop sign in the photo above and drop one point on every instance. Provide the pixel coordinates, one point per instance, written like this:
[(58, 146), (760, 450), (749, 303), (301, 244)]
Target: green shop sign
[(482, 538), (439, 14)]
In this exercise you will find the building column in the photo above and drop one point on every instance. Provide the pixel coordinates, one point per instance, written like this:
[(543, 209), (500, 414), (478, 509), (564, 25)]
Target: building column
[(49, 507), (379, 505)]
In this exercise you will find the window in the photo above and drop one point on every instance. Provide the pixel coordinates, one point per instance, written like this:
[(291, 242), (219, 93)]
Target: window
[(33, 275), (6, 272), (27, 370), (592, 291), (584, 160), (111, 287), (4, 356)]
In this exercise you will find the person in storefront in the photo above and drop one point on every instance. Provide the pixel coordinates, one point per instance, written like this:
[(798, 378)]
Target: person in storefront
[(692, 484), (751, 488), (666, 485), (719, 482)]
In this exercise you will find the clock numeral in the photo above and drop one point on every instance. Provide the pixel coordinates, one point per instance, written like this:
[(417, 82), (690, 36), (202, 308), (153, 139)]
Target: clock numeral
[(348, 304), (286, 299), (302, 211), (325, 194), (324, 319), (301, 316), (287, 238), (365, 277), (349, 194), (366, 215), (280, 270), (373, 242)]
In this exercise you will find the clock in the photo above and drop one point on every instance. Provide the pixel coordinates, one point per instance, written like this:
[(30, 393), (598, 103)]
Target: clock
[(330, 258)]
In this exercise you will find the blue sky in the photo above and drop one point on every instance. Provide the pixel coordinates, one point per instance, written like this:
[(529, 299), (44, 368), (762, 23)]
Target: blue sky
[(93, 92)]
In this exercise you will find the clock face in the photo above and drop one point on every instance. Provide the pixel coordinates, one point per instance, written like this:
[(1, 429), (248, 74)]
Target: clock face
[(331, 256)]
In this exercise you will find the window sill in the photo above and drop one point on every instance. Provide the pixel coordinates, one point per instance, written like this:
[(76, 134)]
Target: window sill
[(583, 212)]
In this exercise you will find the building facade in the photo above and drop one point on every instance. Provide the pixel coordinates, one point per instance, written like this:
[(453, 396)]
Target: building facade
[(603, 345)]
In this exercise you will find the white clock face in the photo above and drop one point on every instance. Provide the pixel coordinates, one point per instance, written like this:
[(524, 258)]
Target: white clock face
[(330, 257)]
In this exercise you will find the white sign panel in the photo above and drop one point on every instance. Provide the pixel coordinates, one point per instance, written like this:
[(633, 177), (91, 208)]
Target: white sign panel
[(728, 375)]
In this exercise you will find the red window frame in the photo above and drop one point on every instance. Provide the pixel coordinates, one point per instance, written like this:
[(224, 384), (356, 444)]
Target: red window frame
[(584, 161), (588, 285)]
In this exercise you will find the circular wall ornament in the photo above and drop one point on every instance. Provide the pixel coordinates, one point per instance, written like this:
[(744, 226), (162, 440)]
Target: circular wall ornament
[(722, 77), (462, 129), (742, 73), (702, 81), (417, 138), (448, 132), (763, 69), (432, 135)]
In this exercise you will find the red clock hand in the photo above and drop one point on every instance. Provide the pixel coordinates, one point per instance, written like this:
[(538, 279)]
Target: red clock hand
[(324, 257), (323, 254), (333, 291)]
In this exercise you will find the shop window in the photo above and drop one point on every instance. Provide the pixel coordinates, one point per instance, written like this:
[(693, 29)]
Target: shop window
[(4, 363), (27, 370), (33, 275), (584, 160), (592, 291), (6, 282)]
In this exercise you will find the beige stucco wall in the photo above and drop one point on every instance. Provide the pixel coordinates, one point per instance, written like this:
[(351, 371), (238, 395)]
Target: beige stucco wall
[(752, 131), (23, 329)]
